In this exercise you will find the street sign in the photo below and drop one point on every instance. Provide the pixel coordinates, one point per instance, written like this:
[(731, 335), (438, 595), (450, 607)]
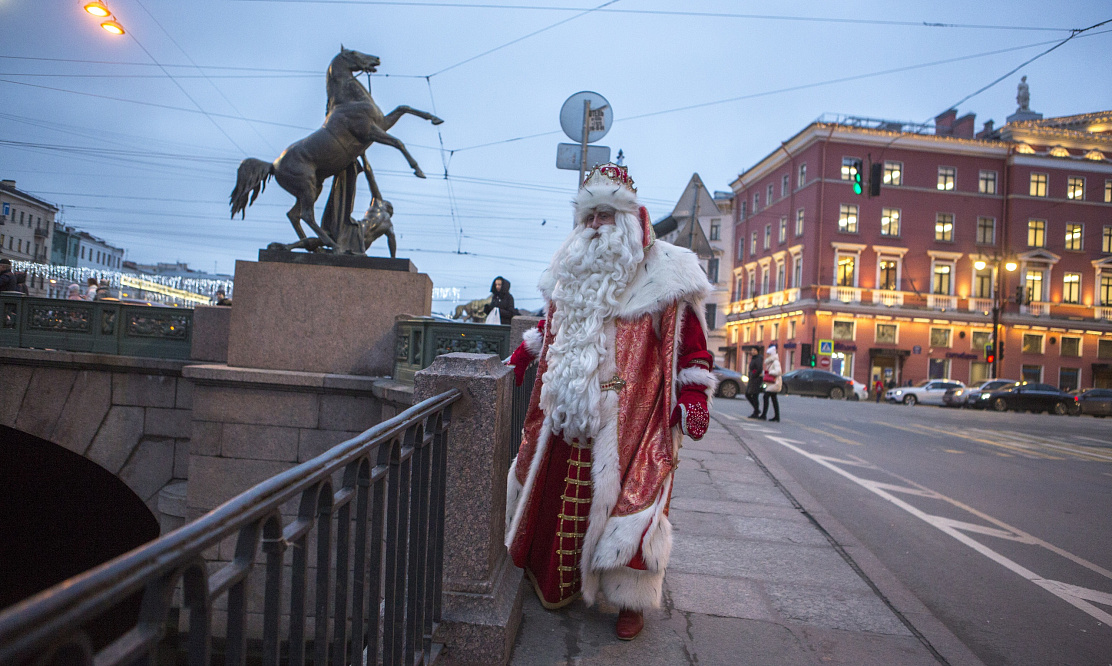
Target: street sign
[(570, 155), (825, 361), (826, 347), (571, 117)]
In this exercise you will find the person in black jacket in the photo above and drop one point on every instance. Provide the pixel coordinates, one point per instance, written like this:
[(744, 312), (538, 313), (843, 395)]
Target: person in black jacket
[(10, 281), (755, 372), (501, 298)]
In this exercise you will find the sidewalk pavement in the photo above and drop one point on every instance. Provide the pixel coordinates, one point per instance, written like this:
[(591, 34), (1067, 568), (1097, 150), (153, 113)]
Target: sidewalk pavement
[(753, 579)]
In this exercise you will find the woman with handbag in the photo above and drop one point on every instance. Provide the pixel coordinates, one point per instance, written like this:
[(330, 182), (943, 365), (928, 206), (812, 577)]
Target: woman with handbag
[(773, 384)]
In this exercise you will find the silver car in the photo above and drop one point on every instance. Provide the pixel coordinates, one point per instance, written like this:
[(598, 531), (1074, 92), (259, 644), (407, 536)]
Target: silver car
[(928, 392)]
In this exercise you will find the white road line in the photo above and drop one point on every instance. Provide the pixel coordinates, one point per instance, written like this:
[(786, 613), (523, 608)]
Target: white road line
[(1058, 445), (1093, 439), (1078, 597)]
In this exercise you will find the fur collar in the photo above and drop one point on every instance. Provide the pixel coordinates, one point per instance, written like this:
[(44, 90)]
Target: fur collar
[(666, 275)]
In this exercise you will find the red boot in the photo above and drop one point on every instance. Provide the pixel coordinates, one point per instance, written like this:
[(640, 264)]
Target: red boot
[(630, 623)]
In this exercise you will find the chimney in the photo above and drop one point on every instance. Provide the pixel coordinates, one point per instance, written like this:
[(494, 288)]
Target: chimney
[(986, 133), (964, 126), (8, 183), (944, 122)]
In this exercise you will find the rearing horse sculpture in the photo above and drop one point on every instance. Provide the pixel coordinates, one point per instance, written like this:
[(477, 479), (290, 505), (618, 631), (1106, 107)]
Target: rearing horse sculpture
[(352, 124)]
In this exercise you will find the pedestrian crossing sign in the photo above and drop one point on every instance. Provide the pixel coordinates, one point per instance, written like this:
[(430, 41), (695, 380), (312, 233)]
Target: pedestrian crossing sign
[(826, 347)]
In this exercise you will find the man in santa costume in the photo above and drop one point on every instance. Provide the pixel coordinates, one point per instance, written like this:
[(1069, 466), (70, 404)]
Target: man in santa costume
[(624, 374)]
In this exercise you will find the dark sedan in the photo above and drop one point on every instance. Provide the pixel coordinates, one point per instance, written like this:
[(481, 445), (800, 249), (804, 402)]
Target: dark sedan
[(1095, 401), (977, 396), (807, 381), (1032, 397)]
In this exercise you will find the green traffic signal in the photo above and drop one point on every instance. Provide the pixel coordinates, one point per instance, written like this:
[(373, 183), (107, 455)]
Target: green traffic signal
[(857, 186)]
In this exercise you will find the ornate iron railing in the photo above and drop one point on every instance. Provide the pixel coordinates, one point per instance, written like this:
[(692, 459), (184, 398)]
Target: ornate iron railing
[(419, 340), (519, 406), (105, 327), (392, 494)]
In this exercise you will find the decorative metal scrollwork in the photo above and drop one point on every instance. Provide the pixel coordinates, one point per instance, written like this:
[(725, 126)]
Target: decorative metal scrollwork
[(107, 322), (401, 348), (446, 344), (60, 318), (169, 326), (11, 315)]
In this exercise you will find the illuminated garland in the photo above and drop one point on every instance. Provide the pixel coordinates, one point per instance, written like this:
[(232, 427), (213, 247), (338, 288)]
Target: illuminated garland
[(161, 288)]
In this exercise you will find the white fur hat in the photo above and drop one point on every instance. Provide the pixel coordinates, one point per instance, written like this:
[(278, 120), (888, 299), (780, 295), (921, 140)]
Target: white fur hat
[(607, 185)]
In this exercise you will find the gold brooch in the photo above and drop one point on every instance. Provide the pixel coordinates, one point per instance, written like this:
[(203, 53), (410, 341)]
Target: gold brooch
[(616, 384)]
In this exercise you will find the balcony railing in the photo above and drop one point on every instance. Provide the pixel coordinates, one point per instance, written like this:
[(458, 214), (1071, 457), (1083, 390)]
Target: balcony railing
[(1036, 309), (942, 302), (385, 522), (1104, 313), (980, 305), (888, 298), (845, 294)]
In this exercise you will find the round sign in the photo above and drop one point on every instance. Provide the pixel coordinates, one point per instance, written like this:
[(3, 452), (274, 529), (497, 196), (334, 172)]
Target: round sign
[(571, 116), (825, 361)]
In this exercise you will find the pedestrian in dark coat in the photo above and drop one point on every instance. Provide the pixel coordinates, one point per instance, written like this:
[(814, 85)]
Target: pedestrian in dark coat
[(501, 298), (755, 372)]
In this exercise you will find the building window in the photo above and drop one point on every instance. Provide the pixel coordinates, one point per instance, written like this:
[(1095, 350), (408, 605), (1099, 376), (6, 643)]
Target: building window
[(944, 227), (769, 193), (738, 289), (797, 272), (82, 250), (842, 330), (1071, 346), (847, 264), (783, 229), (780, 286), (740, 247), (940, 337), (890, 222), (1108, 191), (799, 224), (1038, 184), (886, 334), (849, 167), (1075, 187), (785, 183), (712, 270), (1036, 233), (742, 210), (942, 279), (987, 182), (938, 368), (768, 236), (986, 231), (1104, 348), (1105, 290), (1071, 288), (752, 283), (712, 316), (893, 173), (802, 180), (756, 202), (753, 244), (946, 177), (1069, 379), (1031, 374), (1106, 240), (982, 283), (764, 280), (1032, 343), (716, 229), (888, 278), (1034, 286), (1074, 234), (979, 340), (791, 329), (847, 219)]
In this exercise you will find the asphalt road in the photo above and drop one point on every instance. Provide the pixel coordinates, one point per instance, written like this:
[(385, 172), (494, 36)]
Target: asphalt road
[(1001, 524)]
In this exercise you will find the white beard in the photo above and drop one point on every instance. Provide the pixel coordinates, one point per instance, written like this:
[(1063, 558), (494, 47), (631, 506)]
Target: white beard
[(592, 270)]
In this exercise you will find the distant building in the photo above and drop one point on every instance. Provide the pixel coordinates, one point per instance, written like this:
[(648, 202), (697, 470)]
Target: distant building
[(26, 224), (903, 285), (711, 238)]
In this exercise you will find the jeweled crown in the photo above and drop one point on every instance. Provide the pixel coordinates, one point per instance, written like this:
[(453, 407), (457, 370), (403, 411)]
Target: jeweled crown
[(609, 174)]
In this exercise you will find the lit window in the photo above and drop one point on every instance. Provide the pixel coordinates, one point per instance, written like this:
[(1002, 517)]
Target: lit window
[(1075, 187), (886, 333), (768, 236), (842, 330), (1106, 241), (979, 340), (1038, 184), (1071, 288), (940, 337), (799, 222), (888, 274), (1058, 151), (847, 264), (797, 272), (1025, 149), (1034, 286), (944, 227), (987, 182), (1032, 343), (890, 222), (1074, 236), (947, 177), (893, 173), (1071, 346), (849, 167), (942, 281), (982, 283), (753, 244), (1036, 233), (1108, 191), (785, 183), (1094, 155), (847, 218), (783, 229), (802, 175), (986, 231), (1106, 290)]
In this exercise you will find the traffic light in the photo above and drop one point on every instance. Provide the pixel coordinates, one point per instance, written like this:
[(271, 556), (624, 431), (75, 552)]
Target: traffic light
[(856, 176), (1019, 294), (805, 356), (990, 353), (876, 175)]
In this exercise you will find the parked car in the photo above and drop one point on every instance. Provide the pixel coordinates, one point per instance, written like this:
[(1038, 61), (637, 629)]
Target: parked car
[(928, 392), (729, 382), (860, 391), (821, 383), (1095, 401), (974, 396), (1032, 397)]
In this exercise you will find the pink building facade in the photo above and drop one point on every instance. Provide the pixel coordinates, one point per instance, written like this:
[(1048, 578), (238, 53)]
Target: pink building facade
[(902, 285)]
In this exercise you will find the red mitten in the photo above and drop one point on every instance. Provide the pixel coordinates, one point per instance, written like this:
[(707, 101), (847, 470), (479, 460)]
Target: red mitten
[(691, 412), (519, 361)]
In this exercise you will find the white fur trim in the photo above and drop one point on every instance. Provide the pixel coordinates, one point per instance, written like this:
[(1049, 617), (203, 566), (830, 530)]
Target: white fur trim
[(622, 537), (526, 490), (513, 497), (632, 589), (533, 341), (618, 197), (697, 376)]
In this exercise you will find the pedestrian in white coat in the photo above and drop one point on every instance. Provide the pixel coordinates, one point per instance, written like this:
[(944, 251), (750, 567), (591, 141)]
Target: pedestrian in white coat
[(773, 384)]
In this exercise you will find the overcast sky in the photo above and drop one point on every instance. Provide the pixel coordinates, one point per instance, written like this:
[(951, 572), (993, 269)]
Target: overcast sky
[(138, 137)]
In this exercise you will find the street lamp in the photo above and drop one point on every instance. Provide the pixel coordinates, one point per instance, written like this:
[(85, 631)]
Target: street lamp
[(100, 10), (1010, 266), (112, 27)]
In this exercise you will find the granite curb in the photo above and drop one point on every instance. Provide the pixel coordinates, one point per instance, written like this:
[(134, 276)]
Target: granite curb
[(935, 636)]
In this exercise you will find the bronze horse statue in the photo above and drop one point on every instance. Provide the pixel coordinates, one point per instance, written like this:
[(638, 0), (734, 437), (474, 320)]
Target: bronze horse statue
[(353, 122)]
